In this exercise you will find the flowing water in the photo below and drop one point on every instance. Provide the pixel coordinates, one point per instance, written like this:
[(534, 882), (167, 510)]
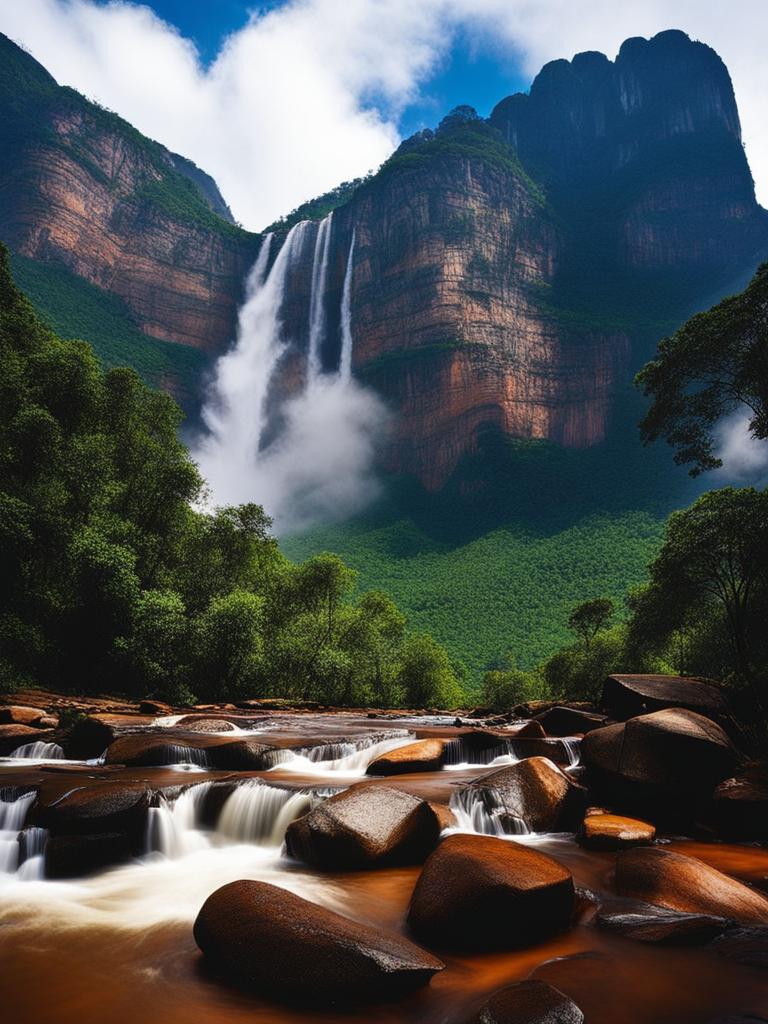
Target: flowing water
[(118, 945), (345, 359)]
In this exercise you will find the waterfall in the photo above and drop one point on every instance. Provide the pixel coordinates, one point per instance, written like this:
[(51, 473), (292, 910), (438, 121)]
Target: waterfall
[(474, 813), (173, 827), (317, 298), (349, 758), (260, 814), (21, 850), (573, 751), (39, 751), (345, 359)]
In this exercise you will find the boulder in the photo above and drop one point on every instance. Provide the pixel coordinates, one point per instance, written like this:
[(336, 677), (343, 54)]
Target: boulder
[(13, 736), (745, 945), (536, 791), (194, 723), (13, 714), (625, 696), (279, 943), (72, 856), (563, 721), (529, 1002), (363, 826), (614, 832), (154, 707), (740, 805), (480, 892), (644, 922), (672, 880), (676, 752), (422, 756), (146, 749), (528, 731), (100, 807)]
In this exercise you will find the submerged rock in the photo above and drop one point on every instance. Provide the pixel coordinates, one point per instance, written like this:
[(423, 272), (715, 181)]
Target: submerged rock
[(529, 1002), (147, 749), (687, 884), (422, 756), (745, 945), (280, 943), (486, 893), (537, 792), (365, 825), (644, 922), (603, 831)]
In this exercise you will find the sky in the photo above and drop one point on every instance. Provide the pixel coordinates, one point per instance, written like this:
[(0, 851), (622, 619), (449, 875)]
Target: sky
[(281, 101)]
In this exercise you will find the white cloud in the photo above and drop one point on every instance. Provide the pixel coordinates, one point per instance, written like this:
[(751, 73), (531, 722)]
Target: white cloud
[(309, 94)]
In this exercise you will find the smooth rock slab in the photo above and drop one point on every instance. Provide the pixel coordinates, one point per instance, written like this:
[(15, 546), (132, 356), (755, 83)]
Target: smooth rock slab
[(687, 884), (625, 696), (152, 749), (614, 832), (529, 1002), (422, 756), (366, 825), (280, 943), (480, 892), (658, 925)]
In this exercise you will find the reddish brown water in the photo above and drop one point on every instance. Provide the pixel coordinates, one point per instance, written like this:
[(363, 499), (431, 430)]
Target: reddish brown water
[(118, 948)]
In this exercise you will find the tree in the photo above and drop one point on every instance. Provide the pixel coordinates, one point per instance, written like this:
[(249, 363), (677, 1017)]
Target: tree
[(714, 364), (504, 688), (426, 674), (589, 618)]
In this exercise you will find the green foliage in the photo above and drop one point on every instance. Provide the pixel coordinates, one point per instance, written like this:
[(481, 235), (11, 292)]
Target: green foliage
[(505, 687), (577, 672), (107, 571), (590, 617), (714, 364)]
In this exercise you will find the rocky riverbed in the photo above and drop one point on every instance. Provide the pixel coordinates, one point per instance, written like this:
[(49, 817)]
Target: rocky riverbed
[(278, 864)]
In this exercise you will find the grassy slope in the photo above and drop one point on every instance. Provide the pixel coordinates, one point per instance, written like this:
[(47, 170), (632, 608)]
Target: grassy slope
[(74, 308)]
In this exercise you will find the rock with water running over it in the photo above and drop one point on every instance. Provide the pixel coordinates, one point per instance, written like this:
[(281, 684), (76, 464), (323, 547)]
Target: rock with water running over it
[(644, 922), (604, 831), (625, 696), (479, 892), (73, 856), (674, 752), (14, 736), (365, 825), (529, 1002), (280, 943), (100, 807), (535, 791), (143, 749), (14, 714), (422, 756), (687, 884)]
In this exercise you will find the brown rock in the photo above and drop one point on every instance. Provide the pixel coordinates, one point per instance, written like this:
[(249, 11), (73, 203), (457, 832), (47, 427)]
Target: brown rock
[(155, 707), (536, 791), (675, 751), (741, 805), (13, 736), (364, 826), (644, 922), (192, 723), (625, 696), (13, 714), (529, 1002), (422, 756), (73, 856), (614, 832), (143, 749), (682, 883), (278, 942), (95, 807), (563, 721), (745, 945), (484, 893)]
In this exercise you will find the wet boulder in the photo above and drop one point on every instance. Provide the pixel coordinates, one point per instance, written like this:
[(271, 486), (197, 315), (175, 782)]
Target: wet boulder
[(744, 945), (422, 756), (535, 791), (14, 714), (279, 943), (564, 721), (73, 856), (363, 826), (479, 892), (625, 696), (676, 752), (98, 807), (210, 751), (13, 736), (155, 707), (198, 723), (681, 883), (529, 1002), (604, 831), (643, 922)]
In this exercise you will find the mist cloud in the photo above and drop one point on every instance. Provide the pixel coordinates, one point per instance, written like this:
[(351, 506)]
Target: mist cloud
[(744, 457)]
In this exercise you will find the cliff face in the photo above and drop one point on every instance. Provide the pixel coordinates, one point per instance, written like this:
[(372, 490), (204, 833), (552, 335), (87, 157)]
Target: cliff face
[(82, 188)]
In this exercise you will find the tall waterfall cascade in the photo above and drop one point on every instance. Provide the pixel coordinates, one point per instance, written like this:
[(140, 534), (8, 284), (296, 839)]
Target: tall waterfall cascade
[(299, 439)]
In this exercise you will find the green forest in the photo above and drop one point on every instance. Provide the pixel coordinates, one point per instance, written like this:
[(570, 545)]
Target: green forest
[(113, 568)]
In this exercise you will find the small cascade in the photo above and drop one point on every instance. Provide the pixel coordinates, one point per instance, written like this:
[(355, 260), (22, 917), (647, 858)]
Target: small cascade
[(462, 752), (317, 298), (180, 754), (39, 752), (345, 359), (573, 750), (350, 757), (260, 814), (474, 813), (173, 827), (22, 851)]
